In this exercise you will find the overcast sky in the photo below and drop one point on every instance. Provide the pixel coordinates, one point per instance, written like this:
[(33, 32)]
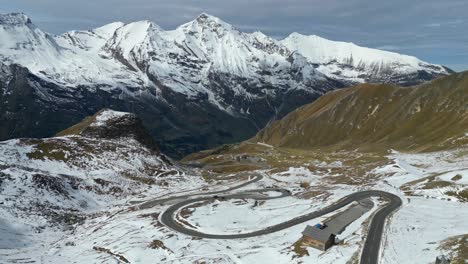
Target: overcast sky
[(433, 30)]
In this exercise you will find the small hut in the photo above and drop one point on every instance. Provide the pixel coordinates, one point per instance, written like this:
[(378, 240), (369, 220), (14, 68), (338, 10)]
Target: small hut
[(318, 238)]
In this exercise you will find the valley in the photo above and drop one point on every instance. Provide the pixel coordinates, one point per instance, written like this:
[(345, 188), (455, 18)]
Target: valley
[(130, 143), (129, 231), (113, 195)]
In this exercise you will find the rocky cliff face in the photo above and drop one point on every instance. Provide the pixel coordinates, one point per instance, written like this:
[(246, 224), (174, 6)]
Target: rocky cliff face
[(203, 84), (109, 124)]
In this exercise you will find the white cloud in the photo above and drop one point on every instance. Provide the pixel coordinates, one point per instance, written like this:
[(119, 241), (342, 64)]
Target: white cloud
[(445, 23)]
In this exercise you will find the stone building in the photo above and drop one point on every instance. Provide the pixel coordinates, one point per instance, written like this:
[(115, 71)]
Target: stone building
[(318, 238)]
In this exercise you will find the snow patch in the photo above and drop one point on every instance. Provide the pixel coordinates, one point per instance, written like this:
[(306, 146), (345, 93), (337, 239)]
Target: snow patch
[(106, 115)]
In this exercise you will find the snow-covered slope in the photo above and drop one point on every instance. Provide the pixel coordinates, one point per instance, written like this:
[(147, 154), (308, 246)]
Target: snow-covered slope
[(127, 233), (92, 39), (349, 62), (205, 82), (49, 186), (68, 60), (22, 42)]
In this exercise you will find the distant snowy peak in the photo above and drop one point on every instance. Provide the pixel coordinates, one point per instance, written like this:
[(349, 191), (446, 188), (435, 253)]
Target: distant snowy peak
[(14, 19), (268, 44), (205, 21), (23, 43), (321, 50), (131, 35), (331, 54), (18, 33), (93, 39), (206, 28)]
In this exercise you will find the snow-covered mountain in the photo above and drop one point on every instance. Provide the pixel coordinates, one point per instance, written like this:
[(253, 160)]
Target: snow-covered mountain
[(351, 63), (202, 84)]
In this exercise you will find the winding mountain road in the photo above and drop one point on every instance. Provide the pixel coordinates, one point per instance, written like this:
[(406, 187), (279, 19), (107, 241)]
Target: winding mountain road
[(370, 253), (155, 202)]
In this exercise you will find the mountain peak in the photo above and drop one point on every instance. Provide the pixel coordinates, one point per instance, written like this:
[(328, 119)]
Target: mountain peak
[(142, 25), (129, 36), (205, 20), (204, 17), (14, 19), (363, 60), (110, 124), (295, 35)]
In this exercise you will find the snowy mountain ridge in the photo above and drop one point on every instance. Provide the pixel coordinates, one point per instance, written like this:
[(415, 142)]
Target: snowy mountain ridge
[(348, 61), (137, 52), (321, 50), (202, 73)]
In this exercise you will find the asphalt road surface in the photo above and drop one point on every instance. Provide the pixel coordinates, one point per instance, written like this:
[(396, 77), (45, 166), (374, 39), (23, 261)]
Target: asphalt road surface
[(370, 253), (155, 202)]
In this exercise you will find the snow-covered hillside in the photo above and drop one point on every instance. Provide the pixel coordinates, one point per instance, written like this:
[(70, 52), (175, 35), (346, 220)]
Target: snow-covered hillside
[(50, 186), (118, 230)]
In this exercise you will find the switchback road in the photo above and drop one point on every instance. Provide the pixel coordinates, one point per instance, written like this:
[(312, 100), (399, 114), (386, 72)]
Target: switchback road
[(370, 253)]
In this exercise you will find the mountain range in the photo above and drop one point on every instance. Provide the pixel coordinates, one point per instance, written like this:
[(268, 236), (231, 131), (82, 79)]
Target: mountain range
[(200, 85), (328, 126), (365, 118)]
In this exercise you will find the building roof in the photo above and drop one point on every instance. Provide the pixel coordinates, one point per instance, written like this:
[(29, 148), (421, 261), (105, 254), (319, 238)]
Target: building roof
[(315, 233), (340, 221)]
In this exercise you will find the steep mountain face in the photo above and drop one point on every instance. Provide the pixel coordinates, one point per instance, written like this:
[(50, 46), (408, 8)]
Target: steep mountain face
[(353, 64), (203, 84), (427, 117), (110, 124)]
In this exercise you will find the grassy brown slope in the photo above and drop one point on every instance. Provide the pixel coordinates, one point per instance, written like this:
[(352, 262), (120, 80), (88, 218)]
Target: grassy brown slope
[(369, 116), (79, 127), (457, 247)]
